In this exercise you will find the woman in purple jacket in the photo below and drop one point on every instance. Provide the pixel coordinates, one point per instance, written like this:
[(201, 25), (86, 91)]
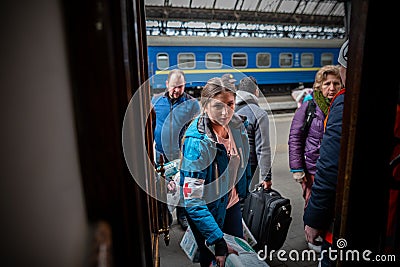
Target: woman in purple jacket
[(305, 138)]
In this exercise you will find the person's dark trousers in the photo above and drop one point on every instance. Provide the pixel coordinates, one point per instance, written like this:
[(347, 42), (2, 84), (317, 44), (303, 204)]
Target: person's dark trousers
[(206, 256), (326, 261), (180, 212), (181, 217), (233, 221), (255, 174)]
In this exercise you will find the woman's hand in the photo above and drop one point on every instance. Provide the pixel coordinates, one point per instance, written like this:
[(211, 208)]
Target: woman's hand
[(171, 186), (221, 251), (220, 260), (312, 234), (231, 250), (299, 176)]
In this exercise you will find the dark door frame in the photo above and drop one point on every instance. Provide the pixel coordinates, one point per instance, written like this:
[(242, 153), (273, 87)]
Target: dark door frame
[(108, 62)]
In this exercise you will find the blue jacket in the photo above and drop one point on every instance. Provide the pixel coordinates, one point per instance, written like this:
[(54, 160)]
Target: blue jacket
[(205, 180), (170, 118), (321, 206)]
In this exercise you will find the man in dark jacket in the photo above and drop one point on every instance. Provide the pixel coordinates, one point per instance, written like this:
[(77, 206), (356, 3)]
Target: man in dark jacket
[(319, 213), (257, 131), (173, 110)]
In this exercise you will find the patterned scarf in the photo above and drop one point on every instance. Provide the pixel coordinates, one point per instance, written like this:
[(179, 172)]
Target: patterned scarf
[(322, 102)]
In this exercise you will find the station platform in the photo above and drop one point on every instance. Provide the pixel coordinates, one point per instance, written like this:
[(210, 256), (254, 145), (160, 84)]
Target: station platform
[(278, 103)]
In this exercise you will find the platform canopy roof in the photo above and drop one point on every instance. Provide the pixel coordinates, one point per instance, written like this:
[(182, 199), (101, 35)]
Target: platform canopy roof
[(246, 17)]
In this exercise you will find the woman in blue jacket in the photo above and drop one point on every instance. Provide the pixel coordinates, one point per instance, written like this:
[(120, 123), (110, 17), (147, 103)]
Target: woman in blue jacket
[(214, 172)]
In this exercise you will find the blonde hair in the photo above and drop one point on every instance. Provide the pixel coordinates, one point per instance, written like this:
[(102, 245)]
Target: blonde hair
[(323, 73)]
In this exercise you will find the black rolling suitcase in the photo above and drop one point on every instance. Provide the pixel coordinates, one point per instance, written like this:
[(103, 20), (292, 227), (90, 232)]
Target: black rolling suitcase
[(267, 214)]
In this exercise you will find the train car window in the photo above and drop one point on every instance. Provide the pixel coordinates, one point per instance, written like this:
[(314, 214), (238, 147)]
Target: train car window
[(326, 59), (263, 60), (186, 61), (239, 60), (285, 59), (162, 61), (307, 59), (213, 60)]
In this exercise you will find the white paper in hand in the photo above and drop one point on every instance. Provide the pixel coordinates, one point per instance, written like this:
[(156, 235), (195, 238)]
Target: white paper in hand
[(247, 255), (173, 197)]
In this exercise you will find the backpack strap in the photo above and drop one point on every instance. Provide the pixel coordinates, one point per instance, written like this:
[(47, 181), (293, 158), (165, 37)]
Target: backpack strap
[(310, 115)]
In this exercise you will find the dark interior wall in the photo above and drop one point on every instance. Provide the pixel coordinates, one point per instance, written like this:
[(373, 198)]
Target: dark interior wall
[(64, 90), (43, 216), (367, 141), (107, 64)]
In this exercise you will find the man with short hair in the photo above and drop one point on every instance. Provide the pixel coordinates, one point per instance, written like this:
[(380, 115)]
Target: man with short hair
[(257, 131), (173, 110)]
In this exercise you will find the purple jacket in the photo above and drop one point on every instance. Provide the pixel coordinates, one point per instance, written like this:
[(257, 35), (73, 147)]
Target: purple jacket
[(303, 147)]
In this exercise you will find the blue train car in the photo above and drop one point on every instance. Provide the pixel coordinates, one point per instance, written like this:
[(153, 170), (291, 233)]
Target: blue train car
[(279, 65)]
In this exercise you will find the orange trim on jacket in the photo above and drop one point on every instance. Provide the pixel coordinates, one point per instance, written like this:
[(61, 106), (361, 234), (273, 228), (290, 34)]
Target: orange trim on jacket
[(328, 237)]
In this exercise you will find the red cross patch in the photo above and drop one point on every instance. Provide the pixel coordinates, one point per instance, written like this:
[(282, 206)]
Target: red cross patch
[(186, 190), (193, 188)]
